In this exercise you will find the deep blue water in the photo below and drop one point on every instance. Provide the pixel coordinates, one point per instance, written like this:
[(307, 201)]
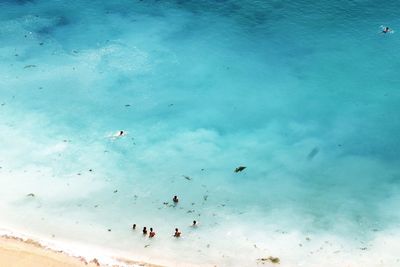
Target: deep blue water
[(304, 94)]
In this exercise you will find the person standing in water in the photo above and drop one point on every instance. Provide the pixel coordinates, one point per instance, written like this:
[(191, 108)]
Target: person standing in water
[(177, 233), (175, 199), (134, 226), (152, 233), (144, 231)]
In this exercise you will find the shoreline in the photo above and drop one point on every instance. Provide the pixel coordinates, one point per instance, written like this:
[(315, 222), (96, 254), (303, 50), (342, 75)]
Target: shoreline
[(20, 250)]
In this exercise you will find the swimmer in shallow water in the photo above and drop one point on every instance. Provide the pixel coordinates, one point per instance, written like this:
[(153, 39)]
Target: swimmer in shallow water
[(177, 233), (152, 233), (194, 224), (134, 226), (175, 199), (144, 231)]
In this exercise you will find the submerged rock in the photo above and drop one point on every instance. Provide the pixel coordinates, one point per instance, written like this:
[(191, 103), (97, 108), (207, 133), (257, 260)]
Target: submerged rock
[(240, 168), (95, 262), (274, 259), (313, 153), (270, 259), (187, 177)]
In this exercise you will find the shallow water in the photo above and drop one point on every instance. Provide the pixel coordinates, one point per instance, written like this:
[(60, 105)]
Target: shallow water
[(305, 95)]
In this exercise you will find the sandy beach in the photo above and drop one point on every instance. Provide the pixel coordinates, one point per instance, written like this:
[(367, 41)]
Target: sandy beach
[(17, 252)]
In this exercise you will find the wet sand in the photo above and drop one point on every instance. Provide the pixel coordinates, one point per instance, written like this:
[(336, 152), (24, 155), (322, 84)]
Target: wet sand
[(16, 252)]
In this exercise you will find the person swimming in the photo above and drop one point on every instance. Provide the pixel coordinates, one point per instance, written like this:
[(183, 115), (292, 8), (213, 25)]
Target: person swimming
[(134, 226), (118, 134), (194, 224), (152, 233), (144, 231), (177, 233), (175, 199), (386, 29)]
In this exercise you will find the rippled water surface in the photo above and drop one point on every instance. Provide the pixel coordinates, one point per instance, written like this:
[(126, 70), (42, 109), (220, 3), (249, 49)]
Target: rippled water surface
[(305, 94)]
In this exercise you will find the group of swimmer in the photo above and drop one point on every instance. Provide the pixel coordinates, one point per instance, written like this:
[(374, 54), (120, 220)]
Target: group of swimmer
[(152, 233)]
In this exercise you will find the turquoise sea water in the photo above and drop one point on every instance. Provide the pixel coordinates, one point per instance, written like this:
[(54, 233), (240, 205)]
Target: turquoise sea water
[(305, 94)]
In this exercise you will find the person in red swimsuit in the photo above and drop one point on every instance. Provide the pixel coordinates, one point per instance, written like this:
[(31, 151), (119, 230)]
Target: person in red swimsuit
[(152, 233)]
